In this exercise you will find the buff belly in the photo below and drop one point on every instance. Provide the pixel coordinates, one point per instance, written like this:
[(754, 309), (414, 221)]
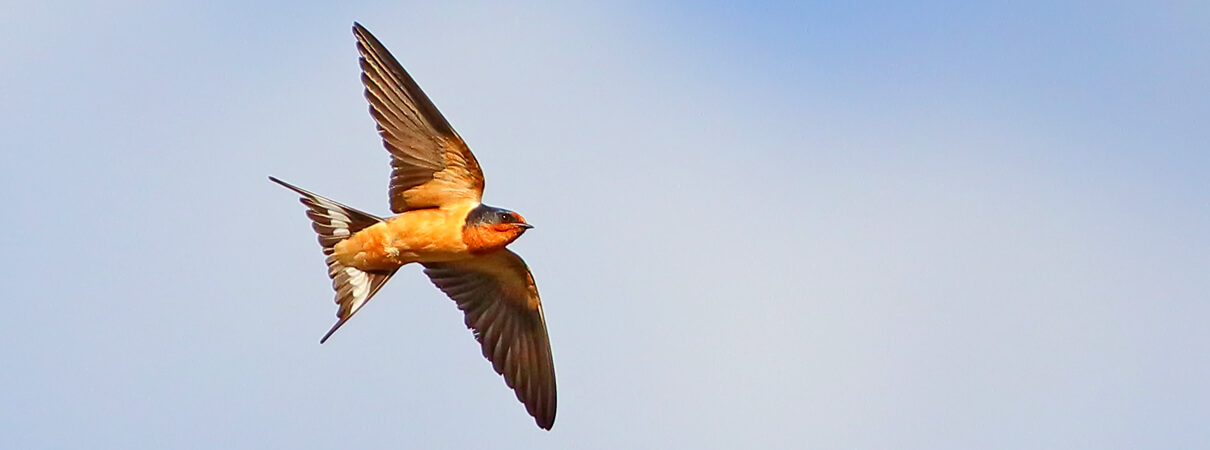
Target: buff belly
[(427, 235)]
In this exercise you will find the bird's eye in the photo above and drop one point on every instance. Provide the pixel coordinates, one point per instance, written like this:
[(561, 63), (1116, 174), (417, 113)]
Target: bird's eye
[(506, 217)]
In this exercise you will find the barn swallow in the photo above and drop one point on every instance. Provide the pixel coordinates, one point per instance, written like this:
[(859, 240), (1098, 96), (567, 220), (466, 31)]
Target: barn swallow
[(435, 190)]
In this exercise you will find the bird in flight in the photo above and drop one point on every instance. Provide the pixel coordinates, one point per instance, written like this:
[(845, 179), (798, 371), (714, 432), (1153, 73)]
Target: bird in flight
[(435, 190)]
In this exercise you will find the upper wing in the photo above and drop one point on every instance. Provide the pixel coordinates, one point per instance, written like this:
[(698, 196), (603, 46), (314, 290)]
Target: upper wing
[(432, 166), (498, 296)]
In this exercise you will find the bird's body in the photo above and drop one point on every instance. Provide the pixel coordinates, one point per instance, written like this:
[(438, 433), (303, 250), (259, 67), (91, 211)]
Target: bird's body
[(435, 190), (423, 235)]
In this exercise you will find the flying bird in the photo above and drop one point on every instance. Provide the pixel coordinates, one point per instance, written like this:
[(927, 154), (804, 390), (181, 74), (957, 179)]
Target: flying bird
[(435, 190)]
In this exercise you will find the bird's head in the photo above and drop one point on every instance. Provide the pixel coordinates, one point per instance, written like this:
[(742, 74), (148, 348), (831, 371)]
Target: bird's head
[(488, 228)]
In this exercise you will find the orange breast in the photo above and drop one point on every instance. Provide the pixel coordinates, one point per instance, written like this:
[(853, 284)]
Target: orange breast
[(425, 235)]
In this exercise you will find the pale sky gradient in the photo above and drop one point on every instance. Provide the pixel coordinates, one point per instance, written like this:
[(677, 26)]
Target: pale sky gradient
[(930, 225)]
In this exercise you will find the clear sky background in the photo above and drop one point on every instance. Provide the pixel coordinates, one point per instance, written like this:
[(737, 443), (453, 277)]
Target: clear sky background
[(919, 225)]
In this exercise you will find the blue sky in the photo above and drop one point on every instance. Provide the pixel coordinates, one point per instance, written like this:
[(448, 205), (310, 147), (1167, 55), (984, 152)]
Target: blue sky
[(759, 225)]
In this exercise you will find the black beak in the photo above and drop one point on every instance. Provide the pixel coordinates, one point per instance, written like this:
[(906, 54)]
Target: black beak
[(525, 225)]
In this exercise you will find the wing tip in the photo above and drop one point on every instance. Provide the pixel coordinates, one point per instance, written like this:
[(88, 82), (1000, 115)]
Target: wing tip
[(545, 423), (544, 413), (362, 33)]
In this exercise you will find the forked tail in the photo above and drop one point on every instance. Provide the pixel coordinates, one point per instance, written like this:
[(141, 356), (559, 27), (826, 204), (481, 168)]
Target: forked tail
[(335, 222)]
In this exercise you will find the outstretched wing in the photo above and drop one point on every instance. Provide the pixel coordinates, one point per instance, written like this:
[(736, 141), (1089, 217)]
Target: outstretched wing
[(497, 293), (432, 166)]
